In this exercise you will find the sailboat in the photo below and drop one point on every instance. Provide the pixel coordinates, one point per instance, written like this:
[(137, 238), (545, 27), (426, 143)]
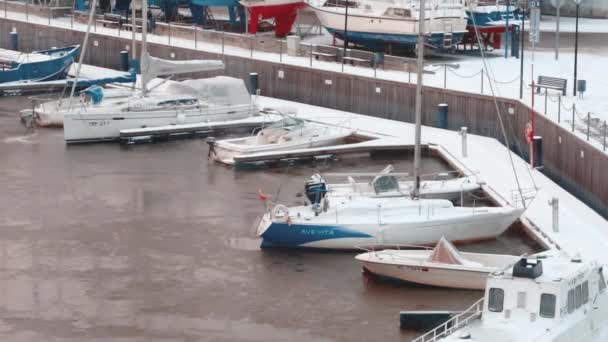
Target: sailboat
[(378, 24), (38, 66), (345, 223), (387, 183), (192, 101)]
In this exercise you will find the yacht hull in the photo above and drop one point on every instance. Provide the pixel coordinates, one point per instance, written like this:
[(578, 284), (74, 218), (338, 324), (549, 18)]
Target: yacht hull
[(90, 127), (298, 232)]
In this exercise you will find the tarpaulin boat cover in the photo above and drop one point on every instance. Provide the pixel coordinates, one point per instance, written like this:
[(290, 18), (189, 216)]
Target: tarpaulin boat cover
[(446, 253), (220, 90)]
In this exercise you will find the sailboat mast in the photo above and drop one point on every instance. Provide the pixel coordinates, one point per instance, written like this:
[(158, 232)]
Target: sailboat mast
[(419, 69), (144, 43)]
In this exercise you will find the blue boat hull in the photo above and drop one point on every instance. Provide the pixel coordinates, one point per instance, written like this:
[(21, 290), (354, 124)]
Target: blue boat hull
[(296, 235), (378, 41), (486, 20), (48, 70)]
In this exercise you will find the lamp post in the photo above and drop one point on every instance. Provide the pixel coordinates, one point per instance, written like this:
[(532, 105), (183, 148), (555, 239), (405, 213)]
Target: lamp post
[(578, 4), (557, 4)]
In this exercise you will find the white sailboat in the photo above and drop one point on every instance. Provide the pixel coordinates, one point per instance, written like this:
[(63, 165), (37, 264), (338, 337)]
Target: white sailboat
[(442, 266), (377, 24), (290, 133), (387, 183), (344, 223), (96, 118), (546, 298)]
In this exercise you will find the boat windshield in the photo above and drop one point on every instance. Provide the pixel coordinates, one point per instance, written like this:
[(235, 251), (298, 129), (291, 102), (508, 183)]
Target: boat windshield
[(385, 183), (288, 123)]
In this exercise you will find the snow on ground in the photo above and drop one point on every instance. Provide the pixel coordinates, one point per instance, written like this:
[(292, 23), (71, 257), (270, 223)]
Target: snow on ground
[(581, 229), (568, 24)]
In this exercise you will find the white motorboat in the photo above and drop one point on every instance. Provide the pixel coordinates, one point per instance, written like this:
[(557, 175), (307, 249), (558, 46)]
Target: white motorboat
[(377, 24), (193, 101), (290, 133), (546, 298), (387, 183), (443, 266)]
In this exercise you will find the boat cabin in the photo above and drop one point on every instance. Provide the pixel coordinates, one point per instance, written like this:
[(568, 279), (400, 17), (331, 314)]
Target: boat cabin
[(540, 293)]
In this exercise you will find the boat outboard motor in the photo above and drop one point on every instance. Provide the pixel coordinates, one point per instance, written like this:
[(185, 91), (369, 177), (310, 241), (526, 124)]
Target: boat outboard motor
[(315, 189)]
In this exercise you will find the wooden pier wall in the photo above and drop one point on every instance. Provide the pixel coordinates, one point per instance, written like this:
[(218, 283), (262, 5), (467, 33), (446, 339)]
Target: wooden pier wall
[(569, 160)]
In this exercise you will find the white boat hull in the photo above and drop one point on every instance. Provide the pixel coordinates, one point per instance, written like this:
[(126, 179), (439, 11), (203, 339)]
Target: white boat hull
[(374, 224), (87, 127)]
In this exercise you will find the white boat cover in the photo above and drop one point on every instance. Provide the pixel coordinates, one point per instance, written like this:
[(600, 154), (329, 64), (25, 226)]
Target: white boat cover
[(152, 67), (220, 90), (446, 253)]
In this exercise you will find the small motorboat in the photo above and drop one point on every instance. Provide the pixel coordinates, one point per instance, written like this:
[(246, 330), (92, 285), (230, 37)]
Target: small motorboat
[(387, 183), (290, 133), (38, 66), (443, 266)]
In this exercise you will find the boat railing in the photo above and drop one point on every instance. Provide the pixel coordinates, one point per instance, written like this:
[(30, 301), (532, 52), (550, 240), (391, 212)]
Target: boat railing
[(382, 247), (520, 198), (453, 324)]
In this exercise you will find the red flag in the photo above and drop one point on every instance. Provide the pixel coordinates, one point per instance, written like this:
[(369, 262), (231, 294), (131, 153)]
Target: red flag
[(261, 195)]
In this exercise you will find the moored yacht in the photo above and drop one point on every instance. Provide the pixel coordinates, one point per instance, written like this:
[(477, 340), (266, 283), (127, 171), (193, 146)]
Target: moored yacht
[(290, 133), (549, 297), (378, 24)]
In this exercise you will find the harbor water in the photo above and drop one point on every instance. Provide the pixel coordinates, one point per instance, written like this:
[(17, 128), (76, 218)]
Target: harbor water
[(153, 243)]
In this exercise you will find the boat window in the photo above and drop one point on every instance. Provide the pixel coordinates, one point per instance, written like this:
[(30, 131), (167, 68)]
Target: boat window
[(385, 183), (585, 292), (602, 281), (287, 123), (547, 305), (571, 301), (496, 299), (578, 296)]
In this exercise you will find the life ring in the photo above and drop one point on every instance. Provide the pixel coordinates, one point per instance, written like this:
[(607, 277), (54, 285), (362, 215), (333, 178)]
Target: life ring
[(529, 133), (280, 212)]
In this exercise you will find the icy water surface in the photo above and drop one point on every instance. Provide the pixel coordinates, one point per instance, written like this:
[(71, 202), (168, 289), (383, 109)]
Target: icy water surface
[(150, 243)]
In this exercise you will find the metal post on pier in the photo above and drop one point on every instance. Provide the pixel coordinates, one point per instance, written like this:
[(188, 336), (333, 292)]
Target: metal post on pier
[(50, 9), (14, 40), (251, 46), (27, 10), (195, 37), (463, 134), (604, 135), (5, 8), (554, 203), (573, 114), (445, 76), (280, 51), (482, 81), (588, 124), (223, 34), (559, 108), (311, 58), (169, 24), (72, 20), (546, 96)]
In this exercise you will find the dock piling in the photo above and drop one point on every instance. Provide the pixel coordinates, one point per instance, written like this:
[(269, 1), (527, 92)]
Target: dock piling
[(14, 39), (253, 83), (554, 203), (573, 114), (124, 60), (538, 151), (463, 134), (442, 113)]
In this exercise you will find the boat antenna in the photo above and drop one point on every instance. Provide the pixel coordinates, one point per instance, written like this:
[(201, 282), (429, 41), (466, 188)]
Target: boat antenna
[(498, 114), (83, 52), (144, 46), (419, 85)]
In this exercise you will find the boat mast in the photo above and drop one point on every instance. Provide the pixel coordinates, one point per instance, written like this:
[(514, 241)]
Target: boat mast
[(144, 47), (419, 69)]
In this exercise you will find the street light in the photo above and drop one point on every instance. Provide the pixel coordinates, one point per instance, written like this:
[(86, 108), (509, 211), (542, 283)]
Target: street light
[(578, 4)]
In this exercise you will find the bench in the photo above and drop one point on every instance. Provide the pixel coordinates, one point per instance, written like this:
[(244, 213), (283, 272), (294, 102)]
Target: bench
[(129, 27), (111, 20), (354, 60), (331, 56), (552, 83)]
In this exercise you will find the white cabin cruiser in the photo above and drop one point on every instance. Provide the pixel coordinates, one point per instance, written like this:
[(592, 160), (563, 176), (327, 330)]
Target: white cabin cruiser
[(387, 183), (547, 298), (443, 266), (290, 133), (377, 24)]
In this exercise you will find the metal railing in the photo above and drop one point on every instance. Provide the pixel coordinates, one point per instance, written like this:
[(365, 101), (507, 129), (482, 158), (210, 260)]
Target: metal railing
[(453, 324)]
